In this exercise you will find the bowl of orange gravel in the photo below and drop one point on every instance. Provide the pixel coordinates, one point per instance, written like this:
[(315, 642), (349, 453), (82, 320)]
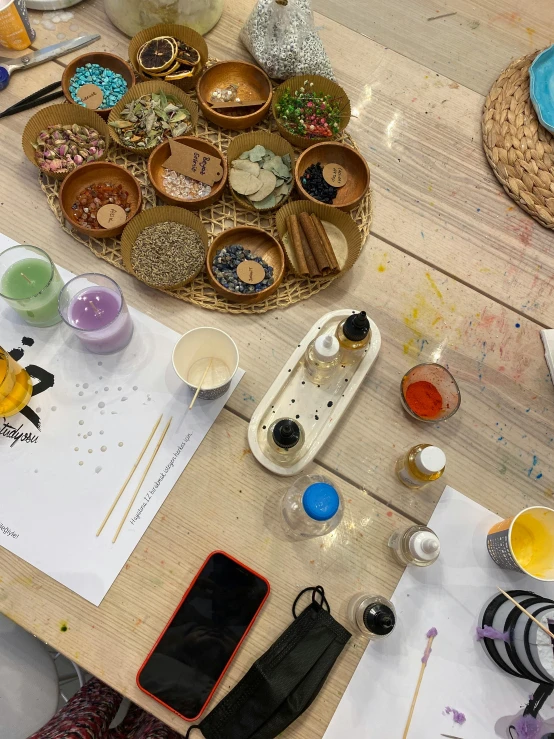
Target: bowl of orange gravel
[(429, 393)]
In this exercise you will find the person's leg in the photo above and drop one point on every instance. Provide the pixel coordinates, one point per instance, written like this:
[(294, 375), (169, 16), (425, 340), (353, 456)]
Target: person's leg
[(138, 724), (87, 715)]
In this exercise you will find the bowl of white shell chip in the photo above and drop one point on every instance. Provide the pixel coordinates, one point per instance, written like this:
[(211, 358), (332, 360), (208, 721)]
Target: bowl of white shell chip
[(261, 170)]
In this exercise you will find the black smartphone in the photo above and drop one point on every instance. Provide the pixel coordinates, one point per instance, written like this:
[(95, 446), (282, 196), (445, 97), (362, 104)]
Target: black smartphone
[(198, 644)]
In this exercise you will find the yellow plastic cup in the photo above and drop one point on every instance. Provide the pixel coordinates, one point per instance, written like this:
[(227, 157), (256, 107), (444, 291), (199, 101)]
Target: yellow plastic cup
[(525, 543), (15, 28)]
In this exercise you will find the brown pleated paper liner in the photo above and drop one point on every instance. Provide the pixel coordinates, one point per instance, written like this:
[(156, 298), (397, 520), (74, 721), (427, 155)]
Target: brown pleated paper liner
[(322, 85), (246, 141), (146, 88), (160, 214), (325, 213), (62, 114), (181, 33)]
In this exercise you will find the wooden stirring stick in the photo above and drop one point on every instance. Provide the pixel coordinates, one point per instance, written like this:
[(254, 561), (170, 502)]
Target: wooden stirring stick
[(526, 612), (158, 445), (193, 401), (118, 496), (431, 634), (235, 104)]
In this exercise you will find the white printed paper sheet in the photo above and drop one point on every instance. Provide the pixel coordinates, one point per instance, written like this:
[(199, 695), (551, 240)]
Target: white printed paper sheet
[(64, 459), (448, 595)]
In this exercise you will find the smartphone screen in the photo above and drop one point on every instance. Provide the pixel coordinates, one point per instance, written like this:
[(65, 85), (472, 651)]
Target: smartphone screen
[(192, 654)]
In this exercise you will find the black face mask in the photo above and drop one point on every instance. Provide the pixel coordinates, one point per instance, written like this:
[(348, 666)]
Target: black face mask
[(284, 681)]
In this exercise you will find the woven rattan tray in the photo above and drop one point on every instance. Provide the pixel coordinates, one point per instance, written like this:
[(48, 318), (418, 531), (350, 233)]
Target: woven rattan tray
[(519, 149), (222, 215)]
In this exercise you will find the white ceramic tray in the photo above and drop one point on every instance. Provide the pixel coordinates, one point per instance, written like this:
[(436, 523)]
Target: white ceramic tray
[(317, 409)]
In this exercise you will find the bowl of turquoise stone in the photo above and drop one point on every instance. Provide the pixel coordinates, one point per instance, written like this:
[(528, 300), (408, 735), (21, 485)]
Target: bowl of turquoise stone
[(541, 75), (112, 74)]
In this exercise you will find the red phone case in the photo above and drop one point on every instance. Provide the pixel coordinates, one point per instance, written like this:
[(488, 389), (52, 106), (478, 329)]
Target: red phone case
[(220, 678)]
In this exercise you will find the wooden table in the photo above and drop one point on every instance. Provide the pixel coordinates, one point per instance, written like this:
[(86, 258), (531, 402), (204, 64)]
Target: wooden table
[(453, 272)]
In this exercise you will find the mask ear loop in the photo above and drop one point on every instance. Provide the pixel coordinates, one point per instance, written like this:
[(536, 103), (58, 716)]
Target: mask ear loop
[(315, 590)]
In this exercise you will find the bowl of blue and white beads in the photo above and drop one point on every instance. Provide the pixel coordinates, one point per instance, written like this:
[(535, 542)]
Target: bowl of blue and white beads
[(245, 264), (98, 81)]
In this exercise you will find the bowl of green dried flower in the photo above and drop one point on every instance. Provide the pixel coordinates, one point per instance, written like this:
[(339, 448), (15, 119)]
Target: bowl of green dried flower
[(149, 113)]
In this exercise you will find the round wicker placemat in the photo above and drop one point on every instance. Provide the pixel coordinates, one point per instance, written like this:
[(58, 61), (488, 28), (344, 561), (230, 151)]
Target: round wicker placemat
[(222, 215), (519, 149)]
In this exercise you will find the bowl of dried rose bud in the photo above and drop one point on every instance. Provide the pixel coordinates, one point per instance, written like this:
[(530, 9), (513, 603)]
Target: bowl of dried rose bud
[(171, 167), (100, 198), (60, 138)]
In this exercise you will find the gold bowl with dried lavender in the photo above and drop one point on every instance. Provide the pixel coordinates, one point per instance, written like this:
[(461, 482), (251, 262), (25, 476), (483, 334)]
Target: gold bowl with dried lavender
[(79, 129), (93, 186), (225, 83), (164, 247), (150, 113), (177, 189), (170, 52)]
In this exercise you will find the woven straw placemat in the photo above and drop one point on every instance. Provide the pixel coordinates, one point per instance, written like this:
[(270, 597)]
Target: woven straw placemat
[(222, 215), (519, 149)]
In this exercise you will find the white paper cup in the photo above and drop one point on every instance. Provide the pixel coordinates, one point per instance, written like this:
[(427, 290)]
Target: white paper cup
[(192, 354)]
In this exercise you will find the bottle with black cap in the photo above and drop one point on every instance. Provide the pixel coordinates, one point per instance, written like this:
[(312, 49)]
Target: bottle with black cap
[(354, 335), (285, 438), (372, 615)]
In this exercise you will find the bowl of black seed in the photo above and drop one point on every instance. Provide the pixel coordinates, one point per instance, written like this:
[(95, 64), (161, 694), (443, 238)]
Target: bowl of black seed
[(332, 173), (245, 264), (165, 247)]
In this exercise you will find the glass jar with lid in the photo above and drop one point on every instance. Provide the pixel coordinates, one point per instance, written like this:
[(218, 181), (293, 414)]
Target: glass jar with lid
[(132, 16)]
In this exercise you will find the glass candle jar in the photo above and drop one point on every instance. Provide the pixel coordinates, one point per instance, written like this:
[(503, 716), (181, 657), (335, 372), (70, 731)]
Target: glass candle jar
[(16, 386), (31, 284), (95, 309)]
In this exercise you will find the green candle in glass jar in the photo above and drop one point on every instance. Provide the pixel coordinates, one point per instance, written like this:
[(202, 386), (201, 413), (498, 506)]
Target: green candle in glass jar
[(30, 284)]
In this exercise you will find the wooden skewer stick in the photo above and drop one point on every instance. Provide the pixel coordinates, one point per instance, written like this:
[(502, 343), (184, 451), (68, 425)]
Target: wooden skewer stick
[(235, 104), (193, 401), (416, 693), (25, 276), (158, 445), (118, 496), (526, 612)]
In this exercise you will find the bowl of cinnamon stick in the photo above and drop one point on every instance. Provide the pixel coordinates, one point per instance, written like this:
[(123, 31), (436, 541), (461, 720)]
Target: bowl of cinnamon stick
[(320, 241)]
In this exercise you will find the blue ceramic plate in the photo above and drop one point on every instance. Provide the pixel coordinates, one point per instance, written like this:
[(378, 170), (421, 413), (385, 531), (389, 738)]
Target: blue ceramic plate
[(542, 87)]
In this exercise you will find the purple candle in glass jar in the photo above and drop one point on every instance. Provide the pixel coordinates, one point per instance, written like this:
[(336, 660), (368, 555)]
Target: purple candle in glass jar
[(94, 307)]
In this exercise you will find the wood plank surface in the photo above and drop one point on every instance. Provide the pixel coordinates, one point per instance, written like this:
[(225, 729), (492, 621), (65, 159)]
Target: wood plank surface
[(454, 272), (201, 515)]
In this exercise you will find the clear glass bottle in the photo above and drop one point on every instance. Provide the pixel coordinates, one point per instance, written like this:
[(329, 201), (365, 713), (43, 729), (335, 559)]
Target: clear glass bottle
[(285, 440), (422, 464), (322, 359), (372, 615), (311, 507), (415, 545), (131, 16), (354, 335)]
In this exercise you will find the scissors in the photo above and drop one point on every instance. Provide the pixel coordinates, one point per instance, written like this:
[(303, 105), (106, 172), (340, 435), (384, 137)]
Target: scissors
[(8, 65)]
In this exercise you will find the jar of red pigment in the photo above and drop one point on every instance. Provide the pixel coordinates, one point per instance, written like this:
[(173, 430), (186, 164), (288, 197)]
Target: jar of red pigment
[(429, 393)]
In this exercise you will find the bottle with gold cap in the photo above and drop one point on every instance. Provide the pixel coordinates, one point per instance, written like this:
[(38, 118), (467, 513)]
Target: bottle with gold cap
[(354, 335)]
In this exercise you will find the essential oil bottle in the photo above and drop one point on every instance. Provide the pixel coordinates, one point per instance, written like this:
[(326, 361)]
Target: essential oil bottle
[(285, 438), (322, 358), (354, 335), (372, 615), (422, 464), (415, 545)]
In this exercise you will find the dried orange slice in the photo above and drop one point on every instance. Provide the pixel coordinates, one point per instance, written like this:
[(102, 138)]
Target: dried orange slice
[(157, 55)]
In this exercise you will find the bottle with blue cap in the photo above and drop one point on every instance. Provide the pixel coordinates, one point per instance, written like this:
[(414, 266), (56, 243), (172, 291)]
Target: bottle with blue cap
[(311, 507)]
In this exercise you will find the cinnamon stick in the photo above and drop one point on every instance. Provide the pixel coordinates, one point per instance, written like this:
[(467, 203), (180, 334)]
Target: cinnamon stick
[(313, 269), (326, 243), (314, 240), (293, 230)]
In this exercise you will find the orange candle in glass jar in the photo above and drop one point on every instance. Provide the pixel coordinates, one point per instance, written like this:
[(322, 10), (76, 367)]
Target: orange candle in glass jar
[(16, 386)]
